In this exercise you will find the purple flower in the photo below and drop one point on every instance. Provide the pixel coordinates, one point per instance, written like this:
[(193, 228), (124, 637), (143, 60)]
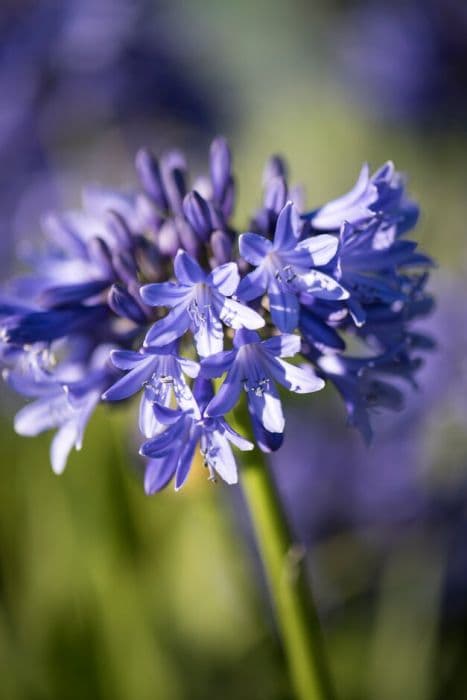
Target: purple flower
[(254, 366), (171, 452), (200, 302), (362, 387), (382, 193), (159, 371), (361, 284), (422, 78), (64, 402), (286, 266)]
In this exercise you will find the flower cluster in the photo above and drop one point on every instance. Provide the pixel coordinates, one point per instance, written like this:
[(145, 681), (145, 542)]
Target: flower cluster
[(155, 292)]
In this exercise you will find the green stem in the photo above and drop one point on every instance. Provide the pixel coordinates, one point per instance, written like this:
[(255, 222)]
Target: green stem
[(291, 594)]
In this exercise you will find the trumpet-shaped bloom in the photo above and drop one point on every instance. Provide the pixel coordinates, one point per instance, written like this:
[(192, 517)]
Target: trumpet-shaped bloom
[(160, 372), (286, 266), (171, 452), (382, 193), (65, 405), (255, 366), (200, 302)]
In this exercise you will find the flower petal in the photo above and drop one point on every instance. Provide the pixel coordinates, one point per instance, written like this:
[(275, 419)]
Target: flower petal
[(166, 442), (284, 345), (187, 270), (216, 365), (133, 381), (40, 415), (163, 294), (166, 415), (253, 285), (287, 228), (296, 379), (125, 305), (189, 367), (352, 206), (254, 247), (126, 359), (146, 420), (185, 461), (319, 333), (225, 278), (62, 443), (169, 328), (209, 335), (267, 408), (235, 314), (266, 441), (283, 305), (321, 285), (237, 439), (227, 395), (27, 385), (159, 472), (321, 248), (221, 458)]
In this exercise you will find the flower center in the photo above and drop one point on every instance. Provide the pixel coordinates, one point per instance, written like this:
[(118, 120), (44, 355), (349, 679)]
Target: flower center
[(258, 387), (210, 454), (284, 273), (200, 304)]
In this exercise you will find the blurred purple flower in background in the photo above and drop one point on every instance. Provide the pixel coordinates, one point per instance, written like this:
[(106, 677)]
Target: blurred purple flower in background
[(406, 60)]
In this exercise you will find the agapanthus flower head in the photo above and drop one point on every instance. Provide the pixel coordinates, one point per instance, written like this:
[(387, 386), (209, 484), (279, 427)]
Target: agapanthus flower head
[(156, 292)]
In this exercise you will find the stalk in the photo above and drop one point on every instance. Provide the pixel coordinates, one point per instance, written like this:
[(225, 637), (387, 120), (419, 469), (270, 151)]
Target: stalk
[(284, 565)]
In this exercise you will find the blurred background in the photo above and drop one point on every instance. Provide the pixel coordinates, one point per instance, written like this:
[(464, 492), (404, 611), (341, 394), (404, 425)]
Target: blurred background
[(106, 593)]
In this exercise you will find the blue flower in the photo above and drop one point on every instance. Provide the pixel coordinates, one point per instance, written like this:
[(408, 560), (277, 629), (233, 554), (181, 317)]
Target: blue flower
[(159, 370), (320, 321), (422, 80), (362, 384), (382, 193), (200, 302), (171, 452), (61, 402), (286, 266), (108, 272), (254, 366), (372, 261)]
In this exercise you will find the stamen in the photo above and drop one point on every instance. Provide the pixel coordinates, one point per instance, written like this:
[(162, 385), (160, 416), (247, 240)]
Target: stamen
[(200, 305), (210, 454), (285, 274), (198, 313), (259, 388), (159, 385)]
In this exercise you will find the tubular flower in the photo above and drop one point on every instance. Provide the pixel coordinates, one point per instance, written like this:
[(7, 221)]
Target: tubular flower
[(254, 366), (172, 451), (285, 266), (89, 323), (199, 302)]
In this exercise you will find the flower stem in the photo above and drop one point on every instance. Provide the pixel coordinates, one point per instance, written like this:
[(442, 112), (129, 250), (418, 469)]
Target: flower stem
[(283, 562)]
